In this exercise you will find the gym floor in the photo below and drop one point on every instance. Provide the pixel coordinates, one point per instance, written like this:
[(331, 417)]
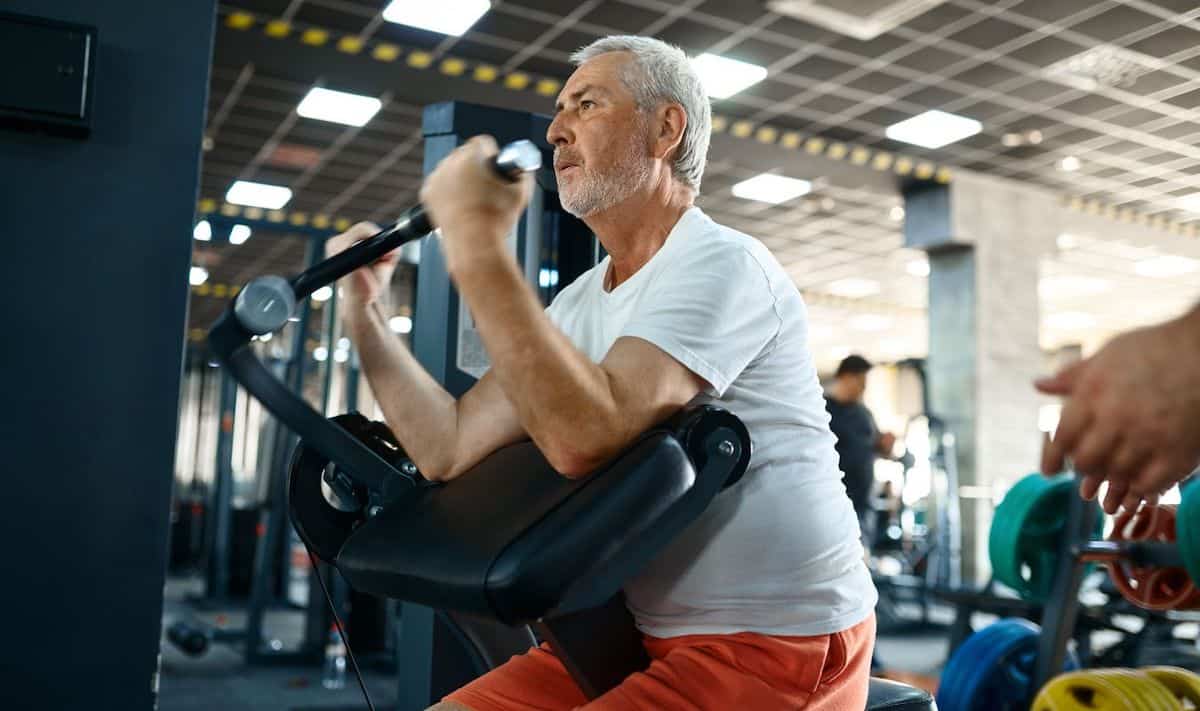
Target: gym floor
[(220, 679)]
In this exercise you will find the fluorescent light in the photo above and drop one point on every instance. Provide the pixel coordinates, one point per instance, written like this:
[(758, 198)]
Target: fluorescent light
[(768, 187), (1070, 320), (448, 17), (322, 294), (896, 213), (202, 231), (1067, 241), (870, 322), (268, 197), (547, 278), (341, 356), (1167, 265), (1070, 164), (723, 77), (918, 267), (320, 354), (1058, 287), (400, 324), (338, 106), (934, 129), (853, 288), (239, 234), (1191, 203), (198, 276)]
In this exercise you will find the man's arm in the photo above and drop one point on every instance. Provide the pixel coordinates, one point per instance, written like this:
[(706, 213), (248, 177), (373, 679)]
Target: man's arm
[(444, 437), (579, 413)]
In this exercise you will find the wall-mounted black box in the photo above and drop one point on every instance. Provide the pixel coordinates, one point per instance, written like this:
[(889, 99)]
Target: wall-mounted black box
[(47, 71)]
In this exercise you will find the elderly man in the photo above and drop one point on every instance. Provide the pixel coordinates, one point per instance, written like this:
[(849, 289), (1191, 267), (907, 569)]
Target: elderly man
[(765, 602)]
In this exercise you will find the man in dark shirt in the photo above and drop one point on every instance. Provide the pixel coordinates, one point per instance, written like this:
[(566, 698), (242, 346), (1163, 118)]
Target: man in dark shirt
[(859, 440)]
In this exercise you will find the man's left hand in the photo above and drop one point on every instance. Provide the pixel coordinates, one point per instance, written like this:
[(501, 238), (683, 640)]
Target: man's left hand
[(472, 206)]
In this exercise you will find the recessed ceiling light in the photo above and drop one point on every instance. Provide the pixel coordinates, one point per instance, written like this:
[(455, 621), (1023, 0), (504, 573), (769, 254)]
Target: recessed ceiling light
[(202, 232), (723, 77), (448, 17), (239, 234), (1070, 164), (918, 267), (1191, 203), (338, 106), (1167, 265), (341, 356), (322, 294), (1070, 320), (320, 354), (269, 197), (896, 213), (400, 324), (1066, 286), (934, 129), (853, 288), (197, 276), (870, 322), (1067, 241), (771, 188)]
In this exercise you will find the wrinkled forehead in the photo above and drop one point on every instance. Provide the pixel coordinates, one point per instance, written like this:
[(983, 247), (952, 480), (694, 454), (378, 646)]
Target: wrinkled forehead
[(602, 72)]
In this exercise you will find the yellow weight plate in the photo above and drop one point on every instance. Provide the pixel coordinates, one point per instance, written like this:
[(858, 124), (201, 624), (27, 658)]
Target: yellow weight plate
[(1075, 691), (1185, 685)]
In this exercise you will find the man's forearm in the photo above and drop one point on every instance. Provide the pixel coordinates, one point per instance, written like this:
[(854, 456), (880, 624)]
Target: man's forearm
[(420, 412), (562, 398)]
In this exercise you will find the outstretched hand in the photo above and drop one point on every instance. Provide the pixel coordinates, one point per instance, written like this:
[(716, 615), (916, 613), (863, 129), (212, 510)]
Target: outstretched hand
[(1131, 414)]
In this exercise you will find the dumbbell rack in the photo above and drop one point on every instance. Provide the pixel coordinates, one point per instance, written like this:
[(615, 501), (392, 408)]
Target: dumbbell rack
[(1076, 550)]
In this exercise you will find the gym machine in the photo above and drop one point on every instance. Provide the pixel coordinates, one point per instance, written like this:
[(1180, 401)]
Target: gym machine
[(511, 543)]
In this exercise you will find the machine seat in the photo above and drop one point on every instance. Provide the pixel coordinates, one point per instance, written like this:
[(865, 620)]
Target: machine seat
[(884, 695)]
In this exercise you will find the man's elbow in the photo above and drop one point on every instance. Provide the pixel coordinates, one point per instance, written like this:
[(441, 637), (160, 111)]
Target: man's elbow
[(571, 461)]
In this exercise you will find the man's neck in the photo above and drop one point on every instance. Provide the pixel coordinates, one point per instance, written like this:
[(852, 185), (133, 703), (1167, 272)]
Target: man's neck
[(633, 230)]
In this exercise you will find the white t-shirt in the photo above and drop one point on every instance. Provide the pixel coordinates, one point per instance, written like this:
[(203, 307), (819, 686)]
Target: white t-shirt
[(779, 552)]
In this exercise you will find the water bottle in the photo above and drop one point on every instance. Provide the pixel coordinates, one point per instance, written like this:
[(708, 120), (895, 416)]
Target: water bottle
[(335, 661)]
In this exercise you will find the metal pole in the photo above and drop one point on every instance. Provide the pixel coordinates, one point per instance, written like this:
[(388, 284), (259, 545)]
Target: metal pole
[(273, 520), (1062, 608), (222, 512)]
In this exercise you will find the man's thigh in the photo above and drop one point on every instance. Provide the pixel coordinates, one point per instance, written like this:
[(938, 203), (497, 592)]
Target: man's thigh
[(536, 681)]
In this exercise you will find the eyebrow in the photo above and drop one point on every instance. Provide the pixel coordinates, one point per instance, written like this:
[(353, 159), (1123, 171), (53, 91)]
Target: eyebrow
[(558, 105)]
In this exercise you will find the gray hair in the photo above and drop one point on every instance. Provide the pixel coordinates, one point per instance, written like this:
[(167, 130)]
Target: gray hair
[(661, 72)]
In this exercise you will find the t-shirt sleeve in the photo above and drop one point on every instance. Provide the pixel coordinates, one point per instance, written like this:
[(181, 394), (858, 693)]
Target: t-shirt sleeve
[(713, 311)]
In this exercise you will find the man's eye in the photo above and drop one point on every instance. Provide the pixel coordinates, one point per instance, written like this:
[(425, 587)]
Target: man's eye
[(587, 104)]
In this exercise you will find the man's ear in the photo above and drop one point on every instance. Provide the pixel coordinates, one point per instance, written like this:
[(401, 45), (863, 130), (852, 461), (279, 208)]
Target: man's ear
[(671, 121)]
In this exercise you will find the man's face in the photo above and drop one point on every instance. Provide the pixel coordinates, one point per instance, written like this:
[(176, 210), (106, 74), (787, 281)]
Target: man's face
[(601, 146), (858, 385)]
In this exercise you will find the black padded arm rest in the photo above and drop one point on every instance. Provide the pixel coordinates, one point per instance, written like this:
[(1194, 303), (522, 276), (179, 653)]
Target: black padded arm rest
[(515, 540), (883, 695)]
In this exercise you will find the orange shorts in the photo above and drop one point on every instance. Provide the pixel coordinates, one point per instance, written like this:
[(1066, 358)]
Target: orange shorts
[(697, 672)]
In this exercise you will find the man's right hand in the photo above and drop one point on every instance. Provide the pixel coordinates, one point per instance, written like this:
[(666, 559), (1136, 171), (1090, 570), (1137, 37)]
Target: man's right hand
[(366, 285)]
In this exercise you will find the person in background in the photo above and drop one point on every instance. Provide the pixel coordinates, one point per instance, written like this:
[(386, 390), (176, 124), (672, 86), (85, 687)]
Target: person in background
[(859, 440)]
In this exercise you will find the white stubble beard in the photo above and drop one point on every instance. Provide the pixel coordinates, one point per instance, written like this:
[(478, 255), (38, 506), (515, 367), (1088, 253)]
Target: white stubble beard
[(592, 191)]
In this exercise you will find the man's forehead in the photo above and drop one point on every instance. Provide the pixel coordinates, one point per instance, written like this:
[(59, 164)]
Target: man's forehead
[(600, 72)]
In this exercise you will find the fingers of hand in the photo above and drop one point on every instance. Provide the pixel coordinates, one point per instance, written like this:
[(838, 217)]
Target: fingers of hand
[(342, 242), (1076, 418), (1062, 382), (1095, 447), (1117, 491), (1090, 486)]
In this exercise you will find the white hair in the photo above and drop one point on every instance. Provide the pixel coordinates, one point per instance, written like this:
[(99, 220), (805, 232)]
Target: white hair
[(661, 72)]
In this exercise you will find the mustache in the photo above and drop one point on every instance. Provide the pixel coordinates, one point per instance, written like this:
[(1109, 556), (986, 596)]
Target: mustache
[(567, 157)]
